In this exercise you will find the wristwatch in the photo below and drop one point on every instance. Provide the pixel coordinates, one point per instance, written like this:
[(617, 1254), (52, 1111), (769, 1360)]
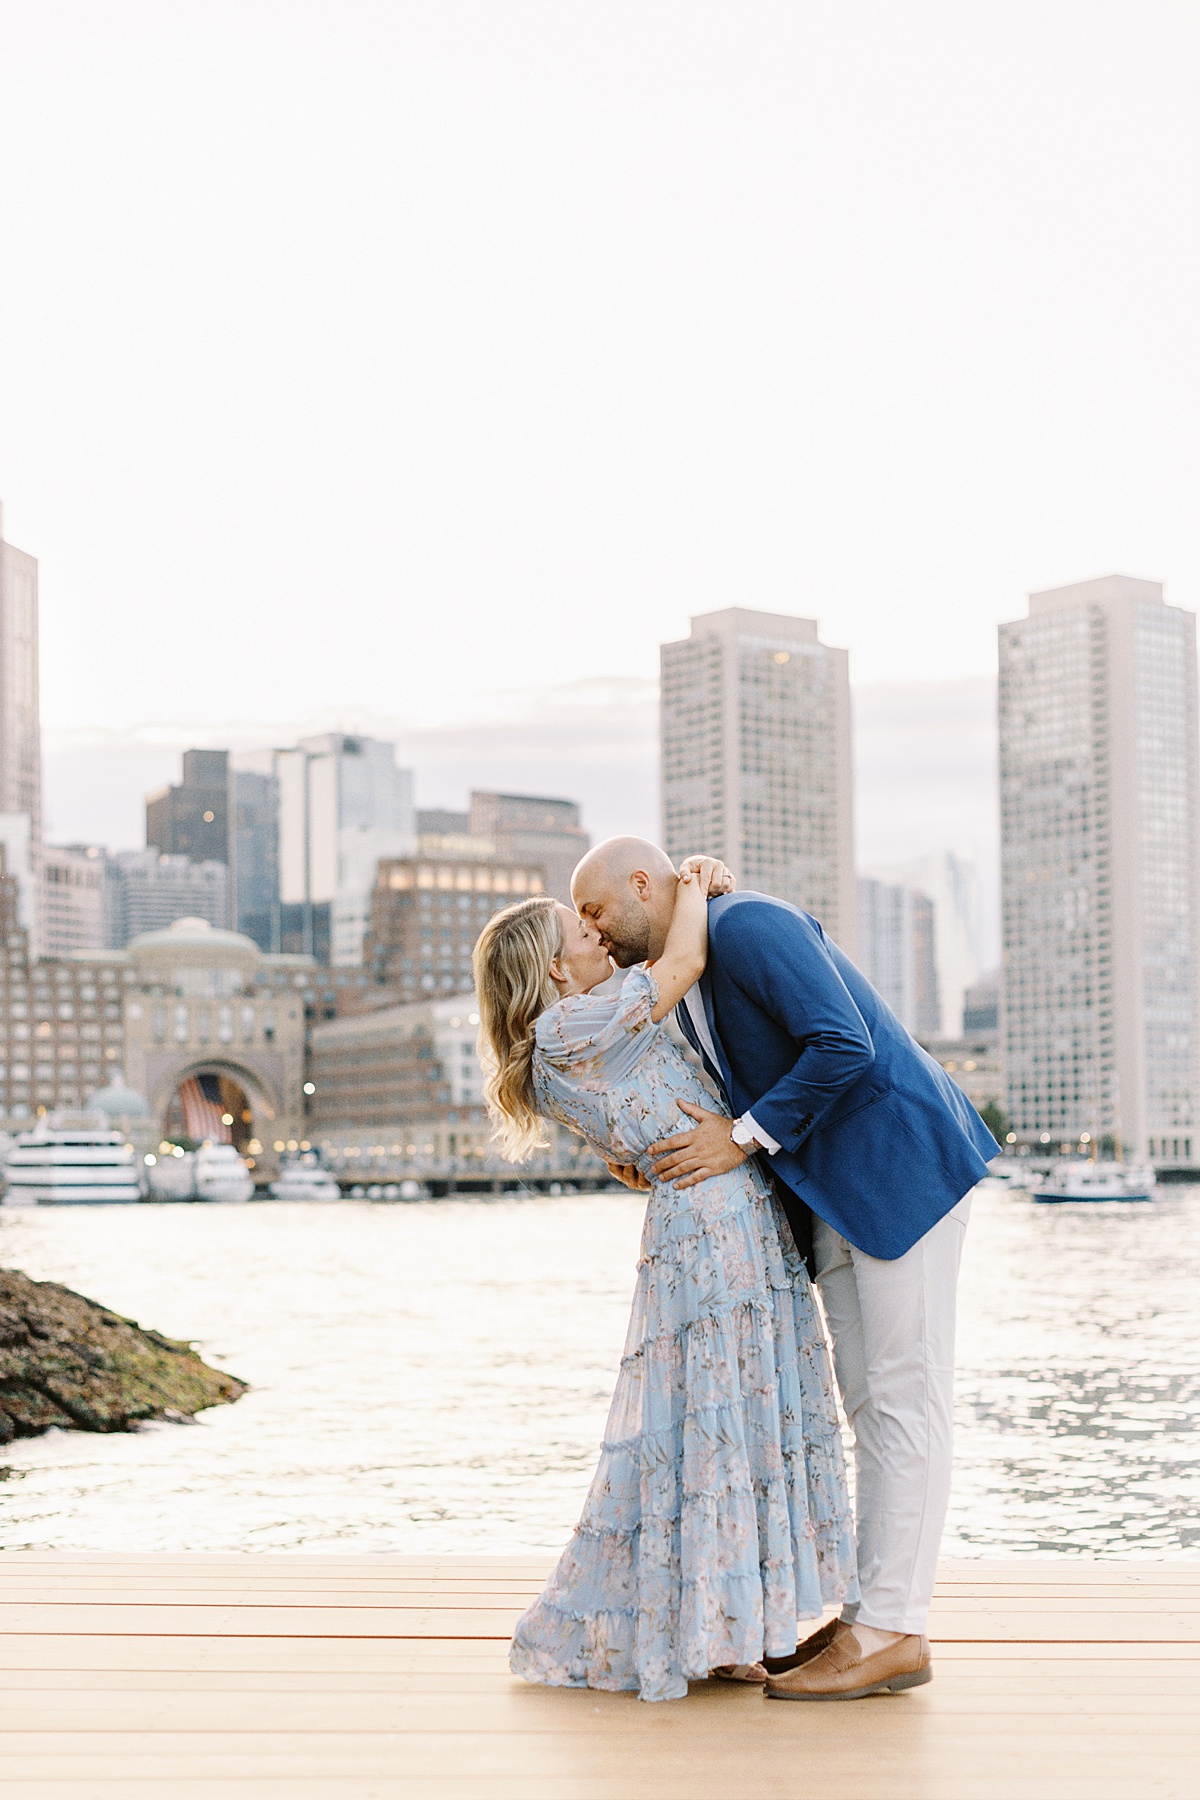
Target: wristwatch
[(743, 1135)]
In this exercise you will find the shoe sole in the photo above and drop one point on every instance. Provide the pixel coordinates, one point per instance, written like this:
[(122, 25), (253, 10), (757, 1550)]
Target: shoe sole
[(897, 1685)]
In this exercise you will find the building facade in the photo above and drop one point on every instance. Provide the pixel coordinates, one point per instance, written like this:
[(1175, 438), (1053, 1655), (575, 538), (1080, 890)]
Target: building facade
[(145, 890), (20, 731), (426, 913), (254, 856), (896, 930), (73, 915), (192, 818), (343, 804), (399, 1092), (949, 880), (756, 759), (536, 832), (1099, 843)]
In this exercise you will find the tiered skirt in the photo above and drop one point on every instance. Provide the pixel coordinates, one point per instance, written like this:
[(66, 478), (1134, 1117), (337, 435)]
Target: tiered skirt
[(718, 1516)]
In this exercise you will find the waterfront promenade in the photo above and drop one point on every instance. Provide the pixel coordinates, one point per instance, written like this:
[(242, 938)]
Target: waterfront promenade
[(385, 1678)]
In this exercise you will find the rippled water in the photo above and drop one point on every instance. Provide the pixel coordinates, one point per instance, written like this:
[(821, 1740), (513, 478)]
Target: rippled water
[(435, 1377)]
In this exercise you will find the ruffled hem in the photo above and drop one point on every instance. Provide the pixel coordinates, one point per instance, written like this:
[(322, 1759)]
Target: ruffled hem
[(717, 1519)]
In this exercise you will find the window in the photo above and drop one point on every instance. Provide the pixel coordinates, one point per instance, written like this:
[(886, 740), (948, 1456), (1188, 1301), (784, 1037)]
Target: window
[(181, 1025)]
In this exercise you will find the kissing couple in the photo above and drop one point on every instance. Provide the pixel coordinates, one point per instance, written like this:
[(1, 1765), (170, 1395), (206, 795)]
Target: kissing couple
[(718, 1518)]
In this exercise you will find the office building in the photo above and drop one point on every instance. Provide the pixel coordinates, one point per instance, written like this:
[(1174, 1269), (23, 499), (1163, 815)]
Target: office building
[(254, 856), (756, 759), (343, 804), (524, 828), (426, 913), (145, 890), (73, 917), (192, 818), (20, 733), (400, 1092), (1101, 933), (981, 1007), (948, 878), (896, 952)]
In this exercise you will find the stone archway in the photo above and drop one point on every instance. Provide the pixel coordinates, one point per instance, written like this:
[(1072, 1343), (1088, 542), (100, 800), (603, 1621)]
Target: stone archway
[(218, 1098)]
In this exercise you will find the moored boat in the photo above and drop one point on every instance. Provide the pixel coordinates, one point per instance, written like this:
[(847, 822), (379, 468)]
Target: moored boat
[(304, 1179), (220, 1174), (1097, 1181), (1012, 1172), (71, 1161)]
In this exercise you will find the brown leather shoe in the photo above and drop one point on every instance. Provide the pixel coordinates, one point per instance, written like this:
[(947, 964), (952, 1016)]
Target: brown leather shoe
[(842, 1672), (812, 1646)]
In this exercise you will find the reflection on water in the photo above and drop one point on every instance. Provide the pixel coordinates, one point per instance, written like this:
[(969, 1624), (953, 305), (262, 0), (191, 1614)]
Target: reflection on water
[(435, 1377)]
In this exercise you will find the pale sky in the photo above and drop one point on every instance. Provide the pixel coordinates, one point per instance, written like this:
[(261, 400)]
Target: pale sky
[(406, 361)]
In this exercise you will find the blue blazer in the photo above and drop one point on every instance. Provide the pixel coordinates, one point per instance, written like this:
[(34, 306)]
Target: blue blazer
[(874, 1136)]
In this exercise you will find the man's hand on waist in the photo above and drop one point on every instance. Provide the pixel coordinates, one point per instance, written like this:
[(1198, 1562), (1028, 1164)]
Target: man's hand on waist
[(707, 1149)]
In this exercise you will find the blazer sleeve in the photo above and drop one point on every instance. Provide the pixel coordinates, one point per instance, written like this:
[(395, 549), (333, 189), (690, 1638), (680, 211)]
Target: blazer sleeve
[(780, 963)]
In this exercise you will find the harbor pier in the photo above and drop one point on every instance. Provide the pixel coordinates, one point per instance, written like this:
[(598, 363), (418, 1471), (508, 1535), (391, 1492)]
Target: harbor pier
[(385, 1678)]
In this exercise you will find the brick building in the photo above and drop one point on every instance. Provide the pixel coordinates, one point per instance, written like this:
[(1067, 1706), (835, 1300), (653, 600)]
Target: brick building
[(426, 913)]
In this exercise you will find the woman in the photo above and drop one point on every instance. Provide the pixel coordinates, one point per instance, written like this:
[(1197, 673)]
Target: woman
[(718, 1515)]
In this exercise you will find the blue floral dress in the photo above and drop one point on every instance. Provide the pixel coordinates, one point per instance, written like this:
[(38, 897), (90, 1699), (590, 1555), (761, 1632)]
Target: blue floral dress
[(718, 1516)]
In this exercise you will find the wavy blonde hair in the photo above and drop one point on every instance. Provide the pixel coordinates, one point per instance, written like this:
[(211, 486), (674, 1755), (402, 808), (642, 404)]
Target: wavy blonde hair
[(512, 980)]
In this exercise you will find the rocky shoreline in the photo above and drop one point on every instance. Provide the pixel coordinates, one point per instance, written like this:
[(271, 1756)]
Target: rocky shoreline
[(66, 1361)]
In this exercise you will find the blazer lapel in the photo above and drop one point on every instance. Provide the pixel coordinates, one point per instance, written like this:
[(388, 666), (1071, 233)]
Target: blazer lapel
[(723, 1071)]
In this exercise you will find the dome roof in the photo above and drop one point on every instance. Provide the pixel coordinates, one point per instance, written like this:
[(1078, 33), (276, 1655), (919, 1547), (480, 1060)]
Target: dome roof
[(119, 1102), (195, 934)]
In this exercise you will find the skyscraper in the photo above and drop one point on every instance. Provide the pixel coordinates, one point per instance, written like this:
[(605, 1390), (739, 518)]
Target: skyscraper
[(756, 759), (948, 878), (1098, 782), (343, 804), (896, 939), (20, 739), (192, 818), (254, 855)]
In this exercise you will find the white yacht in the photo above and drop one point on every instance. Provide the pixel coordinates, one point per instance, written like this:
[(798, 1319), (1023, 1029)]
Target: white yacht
[(305, 1179), (71, 1161), (220, 1174), (1097, 1181), (1013, 1173), (172, 1176)]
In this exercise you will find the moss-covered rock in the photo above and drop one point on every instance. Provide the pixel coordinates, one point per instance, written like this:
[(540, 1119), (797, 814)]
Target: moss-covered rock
[(66, 1361)]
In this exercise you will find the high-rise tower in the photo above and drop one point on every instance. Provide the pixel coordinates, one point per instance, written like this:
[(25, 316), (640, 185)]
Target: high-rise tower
[(20, 739), (1098, 777), (756, 759)]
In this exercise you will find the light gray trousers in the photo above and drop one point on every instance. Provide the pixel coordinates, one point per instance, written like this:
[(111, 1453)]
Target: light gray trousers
[(892, 1325)]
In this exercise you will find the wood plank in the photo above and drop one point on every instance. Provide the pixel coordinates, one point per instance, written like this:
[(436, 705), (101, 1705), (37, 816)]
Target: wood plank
[(280, 1678)]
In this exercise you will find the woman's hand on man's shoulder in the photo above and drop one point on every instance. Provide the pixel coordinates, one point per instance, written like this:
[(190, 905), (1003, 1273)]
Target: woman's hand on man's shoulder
[(711, 869)]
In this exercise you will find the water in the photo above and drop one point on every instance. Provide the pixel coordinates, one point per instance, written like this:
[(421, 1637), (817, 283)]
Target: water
[(434, 1377)]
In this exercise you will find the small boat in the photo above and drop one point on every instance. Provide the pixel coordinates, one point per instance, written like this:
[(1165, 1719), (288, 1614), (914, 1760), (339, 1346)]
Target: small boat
[(221, 1175), (172, 1176), (69, 1161), (305, 1179), (1013, 1173), (1097, 1181)]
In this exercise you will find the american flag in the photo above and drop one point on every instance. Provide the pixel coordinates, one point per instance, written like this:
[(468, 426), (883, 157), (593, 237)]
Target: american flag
[(202, 1109)]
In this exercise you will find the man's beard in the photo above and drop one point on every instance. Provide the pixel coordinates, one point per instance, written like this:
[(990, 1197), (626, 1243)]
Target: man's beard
[(628, 939)]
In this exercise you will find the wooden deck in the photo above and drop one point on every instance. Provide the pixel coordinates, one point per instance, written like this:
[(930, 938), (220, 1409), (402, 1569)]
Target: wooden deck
[(385, 1678)]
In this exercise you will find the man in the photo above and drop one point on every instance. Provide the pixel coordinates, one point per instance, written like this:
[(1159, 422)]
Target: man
[(870, 1142)]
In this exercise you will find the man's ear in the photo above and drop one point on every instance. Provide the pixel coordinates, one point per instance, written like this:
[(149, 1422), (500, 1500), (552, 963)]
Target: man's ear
[(641, 884)]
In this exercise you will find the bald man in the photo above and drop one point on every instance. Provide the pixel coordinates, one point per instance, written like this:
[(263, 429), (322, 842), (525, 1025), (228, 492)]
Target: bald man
[(873, 1151)]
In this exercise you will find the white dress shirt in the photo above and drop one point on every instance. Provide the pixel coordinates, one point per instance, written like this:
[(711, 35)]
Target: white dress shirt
[(750, 1132)]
